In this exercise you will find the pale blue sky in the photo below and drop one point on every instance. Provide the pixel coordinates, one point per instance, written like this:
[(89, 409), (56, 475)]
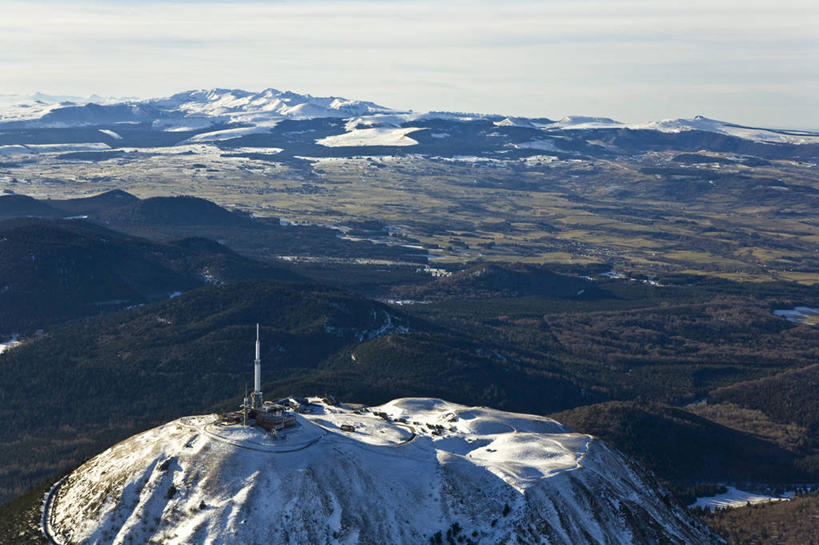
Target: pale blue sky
[(748, 61)]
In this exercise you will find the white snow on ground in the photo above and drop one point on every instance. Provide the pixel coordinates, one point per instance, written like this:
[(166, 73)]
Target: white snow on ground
[(582, 122), (262, 151), (380, 136), (228, 134), (11, 343), (380, 120), (470, 159), (543, 145), (238, 106), (182, 125), (800, 315), (29, 149), (539, 159), (186, 149), (15, 107), (111, 133), (390, 118), (408, 469), (200, 109), (701, 123), (14, 149), (737, 498), (516, 122)]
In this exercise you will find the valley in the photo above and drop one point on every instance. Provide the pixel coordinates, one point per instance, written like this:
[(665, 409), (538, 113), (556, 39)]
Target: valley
[(563, 211)]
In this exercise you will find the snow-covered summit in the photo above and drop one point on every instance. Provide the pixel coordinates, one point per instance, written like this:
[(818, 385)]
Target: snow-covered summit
[(238, 104), (187, 110), (15, 107), (584, 122), (701, 123), (696, 123), (410, 471)]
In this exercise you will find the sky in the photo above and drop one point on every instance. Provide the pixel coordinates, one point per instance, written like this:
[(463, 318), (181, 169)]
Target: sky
[(752, 62)]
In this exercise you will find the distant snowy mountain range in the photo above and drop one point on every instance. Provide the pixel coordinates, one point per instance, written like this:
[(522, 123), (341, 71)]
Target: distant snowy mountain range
[(285, 127), (259, 111), (189, 109)]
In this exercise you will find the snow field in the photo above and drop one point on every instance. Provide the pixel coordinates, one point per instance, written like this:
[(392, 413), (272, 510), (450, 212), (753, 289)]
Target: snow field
[(381, 136), (738, 498)]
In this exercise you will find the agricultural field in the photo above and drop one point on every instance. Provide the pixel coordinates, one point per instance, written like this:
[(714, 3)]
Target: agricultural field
[(641, 214)]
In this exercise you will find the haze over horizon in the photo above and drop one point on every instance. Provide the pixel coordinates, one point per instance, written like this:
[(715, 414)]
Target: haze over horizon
[(632, 60)]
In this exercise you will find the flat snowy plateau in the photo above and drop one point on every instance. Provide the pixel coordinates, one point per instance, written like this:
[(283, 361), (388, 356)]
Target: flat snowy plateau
[(413, 471)]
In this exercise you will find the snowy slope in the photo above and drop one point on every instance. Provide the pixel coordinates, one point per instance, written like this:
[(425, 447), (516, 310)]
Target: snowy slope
[(577, 122), (700, 123), (426, 466), (697, 123), (21, 107), (187, 110), (377, 136), (284, 104), (262, 109)]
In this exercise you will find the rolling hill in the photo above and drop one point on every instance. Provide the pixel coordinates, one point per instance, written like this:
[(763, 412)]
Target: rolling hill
[(57, 270), (171, 218), (684, 448)]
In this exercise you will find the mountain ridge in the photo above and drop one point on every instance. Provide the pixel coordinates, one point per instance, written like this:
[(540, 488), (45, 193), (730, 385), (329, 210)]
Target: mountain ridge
[(210, 107)]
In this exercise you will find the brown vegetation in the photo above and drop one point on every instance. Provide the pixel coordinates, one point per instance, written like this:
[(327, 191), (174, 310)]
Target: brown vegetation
[(794, 522)]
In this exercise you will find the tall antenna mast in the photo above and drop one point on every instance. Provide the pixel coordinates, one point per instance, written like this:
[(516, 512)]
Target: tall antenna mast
[(256, 400)]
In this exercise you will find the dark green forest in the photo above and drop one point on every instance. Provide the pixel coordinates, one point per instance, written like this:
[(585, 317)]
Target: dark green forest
[(692, 376)]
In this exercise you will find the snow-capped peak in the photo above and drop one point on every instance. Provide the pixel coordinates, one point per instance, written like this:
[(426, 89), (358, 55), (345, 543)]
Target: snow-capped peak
[(403, 473), (238, 103)]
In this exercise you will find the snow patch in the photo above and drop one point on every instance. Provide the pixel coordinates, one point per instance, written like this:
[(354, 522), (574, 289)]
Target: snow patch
[(515, 122), (228, 134), (543, 145), (734, 498), (11, 343), (578, 122), (800, 315), (111, 133), (25, 149), (371, 137)]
